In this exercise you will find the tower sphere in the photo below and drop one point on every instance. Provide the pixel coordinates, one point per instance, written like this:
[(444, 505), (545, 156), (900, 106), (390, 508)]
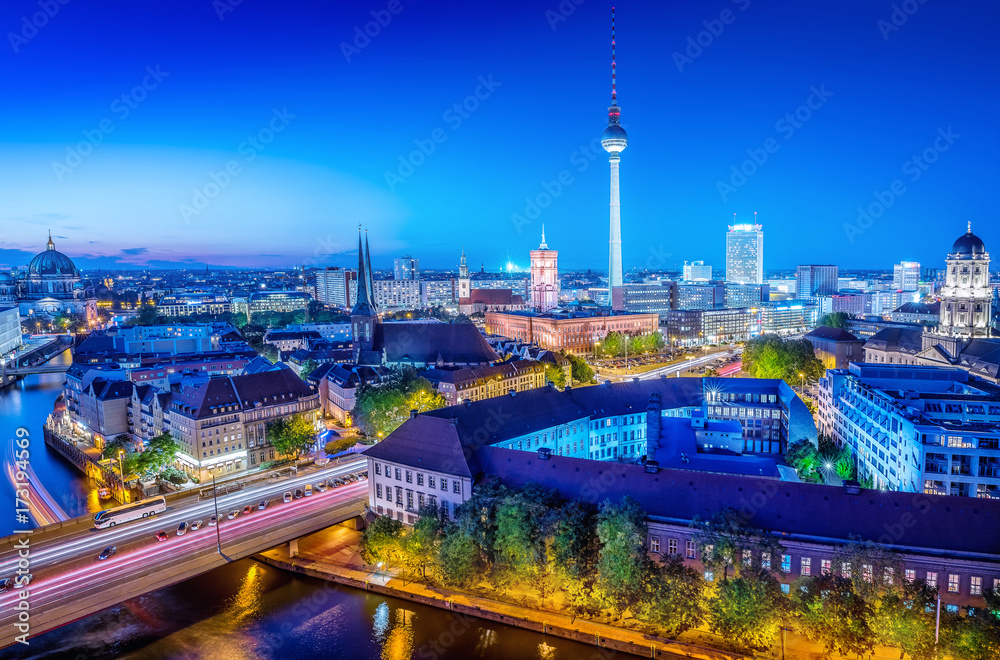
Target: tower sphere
[(614, 139)]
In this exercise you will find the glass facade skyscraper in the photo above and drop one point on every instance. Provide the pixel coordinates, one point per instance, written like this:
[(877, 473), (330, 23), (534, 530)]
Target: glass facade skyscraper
[(745, 254)]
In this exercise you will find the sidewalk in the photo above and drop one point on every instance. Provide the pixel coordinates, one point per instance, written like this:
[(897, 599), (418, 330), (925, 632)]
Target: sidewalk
[(332, 554)]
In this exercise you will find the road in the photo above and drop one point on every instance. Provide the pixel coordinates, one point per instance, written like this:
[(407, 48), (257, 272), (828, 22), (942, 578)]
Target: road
[(690, 363), (69, 581), (84, 540)]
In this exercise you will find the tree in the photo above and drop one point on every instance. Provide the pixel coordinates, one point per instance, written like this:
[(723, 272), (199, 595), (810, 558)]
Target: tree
[(580, 371), (555, 374), (308, 367), (675, 601), (523, 524), (828, 610), (158, 454), (727, 540), (622, 564), (872, 568), (340, 444), (747, 611), (770, 356), (380, 408), (977, 635), (905, 618), (835, 320), (421, 545), (477, 516), (380, 541), (459, 559), (804, 457), (291, 435)]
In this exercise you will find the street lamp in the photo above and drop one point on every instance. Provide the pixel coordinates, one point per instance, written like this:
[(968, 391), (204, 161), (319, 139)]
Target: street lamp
[(802, 382), (121, 470), (215, 499)]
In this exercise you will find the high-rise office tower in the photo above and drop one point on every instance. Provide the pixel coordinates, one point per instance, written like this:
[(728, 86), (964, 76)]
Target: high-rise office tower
[(614, 140), (745, 253), (544, 277), (812, 280), (406, 268), (906, 276)]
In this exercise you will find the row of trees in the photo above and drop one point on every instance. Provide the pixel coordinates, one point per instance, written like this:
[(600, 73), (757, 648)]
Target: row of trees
[(592, 561), (615, 344), (290, 436), (380, 408), (792, 360)]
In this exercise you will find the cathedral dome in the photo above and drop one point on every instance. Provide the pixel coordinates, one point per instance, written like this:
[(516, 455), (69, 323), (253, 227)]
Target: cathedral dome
[(969, 246), (52, 262), (6, 279)]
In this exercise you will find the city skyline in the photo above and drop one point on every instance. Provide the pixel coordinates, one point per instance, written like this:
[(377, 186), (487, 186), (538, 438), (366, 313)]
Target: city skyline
[(159, 124)]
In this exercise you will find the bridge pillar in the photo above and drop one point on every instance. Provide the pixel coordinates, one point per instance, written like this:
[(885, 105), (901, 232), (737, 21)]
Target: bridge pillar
[(293, 547)]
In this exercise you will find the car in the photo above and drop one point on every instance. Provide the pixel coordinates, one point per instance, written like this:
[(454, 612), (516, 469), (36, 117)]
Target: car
[(352, 477), (23, 580), (298, 493), (213, 521), (161, 535), (363, 475), (183, 528), (336, 483), (287, 497), (321, 487), (196, 525), (309, 490), (263, 504), (6, 585), (109, 551), (233, 514), (247, 509)]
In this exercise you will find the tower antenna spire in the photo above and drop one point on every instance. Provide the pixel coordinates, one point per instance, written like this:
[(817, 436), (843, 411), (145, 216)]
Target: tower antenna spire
[(614, 90)]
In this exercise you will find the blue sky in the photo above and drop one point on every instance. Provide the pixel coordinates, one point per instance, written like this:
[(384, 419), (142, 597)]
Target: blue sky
[(120, 122)]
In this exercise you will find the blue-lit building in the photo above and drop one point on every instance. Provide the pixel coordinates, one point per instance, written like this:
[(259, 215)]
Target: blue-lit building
[(914, 428)]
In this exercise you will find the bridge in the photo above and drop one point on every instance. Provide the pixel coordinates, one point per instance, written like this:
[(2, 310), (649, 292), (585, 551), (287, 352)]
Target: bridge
[(70, 583)]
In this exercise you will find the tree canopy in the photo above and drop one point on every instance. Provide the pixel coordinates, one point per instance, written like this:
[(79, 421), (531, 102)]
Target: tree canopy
[(380, 408), (835, 320), (291, 435), (770, 356)]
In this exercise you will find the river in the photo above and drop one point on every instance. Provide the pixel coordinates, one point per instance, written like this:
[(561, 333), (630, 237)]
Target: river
[(245, 611)]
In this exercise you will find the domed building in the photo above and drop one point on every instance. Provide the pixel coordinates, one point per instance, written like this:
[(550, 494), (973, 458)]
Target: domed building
[(51, 285), (966, 298)]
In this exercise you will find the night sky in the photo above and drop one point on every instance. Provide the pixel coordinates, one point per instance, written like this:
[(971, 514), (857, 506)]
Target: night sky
[(313, 121)]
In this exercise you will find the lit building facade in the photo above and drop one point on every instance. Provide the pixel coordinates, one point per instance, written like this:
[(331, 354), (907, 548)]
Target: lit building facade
[(190, 304), (923, 429), (336, 287), (812, 280), (745, 254), (568, 331), (406, 268), (906, 276), (277, 301), (697, 271)]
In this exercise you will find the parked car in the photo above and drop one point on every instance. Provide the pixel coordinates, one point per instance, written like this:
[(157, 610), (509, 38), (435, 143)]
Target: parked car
[(298, 493), (321, 487), (213, 521), (308, 490), (23, 580), (183, 528), (109, 551), (263, 504), (6, 585), (161, 535), (287, 497), (232, 514), (336, 483), (196, 525), (247, 509)]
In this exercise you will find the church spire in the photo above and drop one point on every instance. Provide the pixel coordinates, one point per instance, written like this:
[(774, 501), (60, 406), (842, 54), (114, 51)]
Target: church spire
[(363, 301), (52, 246)]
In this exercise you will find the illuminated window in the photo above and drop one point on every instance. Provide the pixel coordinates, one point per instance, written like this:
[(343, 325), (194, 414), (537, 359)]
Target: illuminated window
[(952, 583)]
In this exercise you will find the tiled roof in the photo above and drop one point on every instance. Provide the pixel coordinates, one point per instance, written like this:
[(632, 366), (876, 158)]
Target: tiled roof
[(903, 340), (454, 343), (831, 334)]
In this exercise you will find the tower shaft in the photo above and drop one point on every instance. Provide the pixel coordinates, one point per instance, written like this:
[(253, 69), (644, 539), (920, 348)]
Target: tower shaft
[(615, 241)]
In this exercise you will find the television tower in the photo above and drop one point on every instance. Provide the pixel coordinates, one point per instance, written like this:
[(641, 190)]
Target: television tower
[(614, 140)]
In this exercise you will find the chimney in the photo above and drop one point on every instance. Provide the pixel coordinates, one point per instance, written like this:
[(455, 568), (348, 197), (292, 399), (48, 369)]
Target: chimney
[(852, 487), (568, 388), (413, 413), (544, 453), (512, 392), (652, 467), (635, 379), (468, 403), (653, 425)]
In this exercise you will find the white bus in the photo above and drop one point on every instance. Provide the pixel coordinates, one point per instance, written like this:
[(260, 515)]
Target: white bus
[(127, 512)]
